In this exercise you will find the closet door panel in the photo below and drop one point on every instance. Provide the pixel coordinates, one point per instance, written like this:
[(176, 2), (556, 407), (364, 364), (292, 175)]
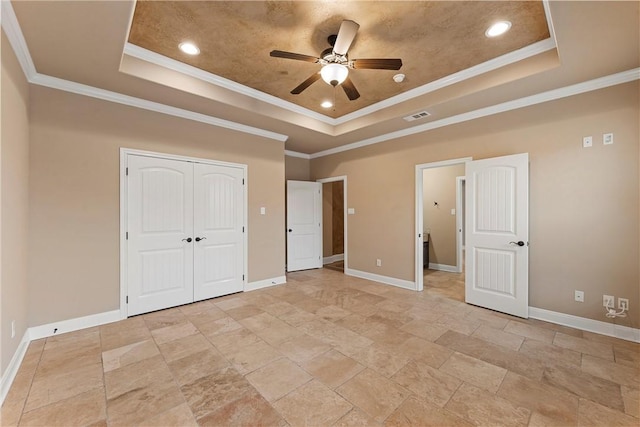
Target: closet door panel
[(218, 225)]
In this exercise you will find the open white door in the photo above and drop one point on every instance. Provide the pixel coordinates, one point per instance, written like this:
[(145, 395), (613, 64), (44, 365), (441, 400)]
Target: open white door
[(218, 231), (304, 225), (497, 234), (160, 244)]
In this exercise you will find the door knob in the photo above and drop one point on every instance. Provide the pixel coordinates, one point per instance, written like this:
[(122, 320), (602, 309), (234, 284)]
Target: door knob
[(290, 230), (200, 238), (520, 243), (188, 240)]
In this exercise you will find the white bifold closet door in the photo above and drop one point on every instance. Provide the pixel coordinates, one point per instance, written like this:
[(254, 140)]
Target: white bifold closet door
[(185, 232)]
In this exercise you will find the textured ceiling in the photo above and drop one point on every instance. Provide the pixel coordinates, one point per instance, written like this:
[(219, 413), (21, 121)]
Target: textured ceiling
[(433, 39)]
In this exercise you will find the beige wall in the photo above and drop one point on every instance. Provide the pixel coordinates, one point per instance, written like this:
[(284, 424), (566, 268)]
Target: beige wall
[(297, 169), (584, 215), (14, 178), (439, 185), (74, 195)]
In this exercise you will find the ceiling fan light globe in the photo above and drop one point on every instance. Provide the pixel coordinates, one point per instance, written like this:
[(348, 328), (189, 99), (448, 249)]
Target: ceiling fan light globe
[(334, 74)]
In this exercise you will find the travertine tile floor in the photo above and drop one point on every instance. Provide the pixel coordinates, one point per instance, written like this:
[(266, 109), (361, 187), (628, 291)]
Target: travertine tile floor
[(326, 349)]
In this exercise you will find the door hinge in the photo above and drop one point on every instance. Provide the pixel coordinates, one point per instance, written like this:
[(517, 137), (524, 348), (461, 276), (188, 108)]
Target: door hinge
[(243, 229), (243, 277), (242, 181), (127, 171), (127, 299), (126, 235)]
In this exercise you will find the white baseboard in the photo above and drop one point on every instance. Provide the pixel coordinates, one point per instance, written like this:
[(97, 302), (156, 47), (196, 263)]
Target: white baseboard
[(405, 284), (252, 286), (582, 323), (443, 267), (70, 325), (332, 259), (10, 373)]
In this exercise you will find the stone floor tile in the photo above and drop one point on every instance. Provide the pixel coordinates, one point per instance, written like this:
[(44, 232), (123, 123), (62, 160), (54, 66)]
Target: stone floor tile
[(253, 356), (594, 414), (550, 354), (210, 393), (197, 365), (422, 329), (11, 411), (601, 350), (132, 353), (418, 349), (230, 302), (374, 394), (585, 385), (381, 361), (120, 334), (312, 404), (231, 342), (173, 332), (178, 416), (427, 383), (474, 371), (163, 318), (553, 403), (278, 378), (54, 387), (481, 408), (206, 316), (251, 410), (631, 399), (80, 410), (303, 348), (621, 374), (528, 331), (243, 312), (332, 368), (185, 346), (627, 356), (79, 338), (219, 326), (499, 337), (332, 313), (417, 412)]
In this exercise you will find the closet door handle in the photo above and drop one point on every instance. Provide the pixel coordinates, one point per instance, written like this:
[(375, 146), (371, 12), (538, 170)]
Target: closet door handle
[(188, 240), (200, 238)]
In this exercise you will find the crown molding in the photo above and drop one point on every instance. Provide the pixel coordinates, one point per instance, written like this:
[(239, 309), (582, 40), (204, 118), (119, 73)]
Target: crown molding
[(16, 39), (576, 89), (297, 154)]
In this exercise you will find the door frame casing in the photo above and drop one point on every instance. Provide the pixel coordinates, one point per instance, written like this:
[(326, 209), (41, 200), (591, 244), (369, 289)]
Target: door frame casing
[(342, 178), (124, 153), (419, 214), (460, 225)]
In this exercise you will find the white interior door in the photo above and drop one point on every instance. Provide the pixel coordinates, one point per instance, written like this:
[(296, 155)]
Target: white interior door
[(497, 234), (160, 228), (304, 225), (218, 231)]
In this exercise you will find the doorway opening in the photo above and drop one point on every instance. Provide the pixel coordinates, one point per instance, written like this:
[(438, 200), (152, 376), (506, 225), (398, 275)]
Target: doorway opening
[(334, 220), (440, 228)]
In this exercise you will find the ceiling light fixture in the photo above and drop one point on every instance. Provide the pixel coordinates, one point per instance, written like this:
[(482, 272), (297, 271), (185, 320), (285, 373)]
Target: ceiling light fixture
[(334, 74), (498, 29), (189, 48), (327, 104), (398, 78)]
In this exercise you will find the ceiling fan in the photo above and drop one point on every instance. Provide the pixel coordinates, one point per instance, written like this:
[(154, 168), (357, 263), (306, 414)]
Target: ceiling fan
[(336, 64)]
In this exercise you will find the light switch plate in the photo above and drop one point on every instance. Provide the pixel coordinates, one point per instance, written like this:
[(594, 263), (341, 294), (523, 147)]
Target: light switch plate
[(587, 141), (607, 139), (351, 211), (263, 211)]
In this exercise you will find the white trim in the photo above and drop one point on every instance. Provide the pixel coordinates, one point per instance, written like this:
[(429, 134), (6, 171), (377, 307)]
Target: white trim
[(443, 267), (70, 325), (9, 374), (259, 284), (333, 258), (419, 213), (124, 153), (460, 181), (400, 283), (590, 325), (16, 39), (296, 154), (345, 221), (551, 95)]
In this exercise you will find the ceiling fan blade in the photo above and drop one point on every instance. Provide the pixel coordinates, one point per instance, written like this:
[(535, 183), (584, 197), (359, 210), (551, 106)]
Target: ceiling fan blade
[(347, 33), (377, 64), (305, 84), (291, 55), (350, 89)]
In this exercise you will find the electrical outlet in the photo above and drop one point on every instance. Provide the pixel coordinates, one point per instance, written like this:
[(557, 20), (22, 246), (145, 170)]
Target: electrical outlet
[(623, 304), (13, 329), (578, 296), (587, 141), (608, 301), (379, 263)]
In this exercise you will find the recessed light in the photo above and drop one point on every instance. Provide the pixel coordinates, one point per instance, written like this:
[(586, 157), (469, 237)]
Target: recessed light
[(189, 48), (398, 78), (327, 104), (498, 29)]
